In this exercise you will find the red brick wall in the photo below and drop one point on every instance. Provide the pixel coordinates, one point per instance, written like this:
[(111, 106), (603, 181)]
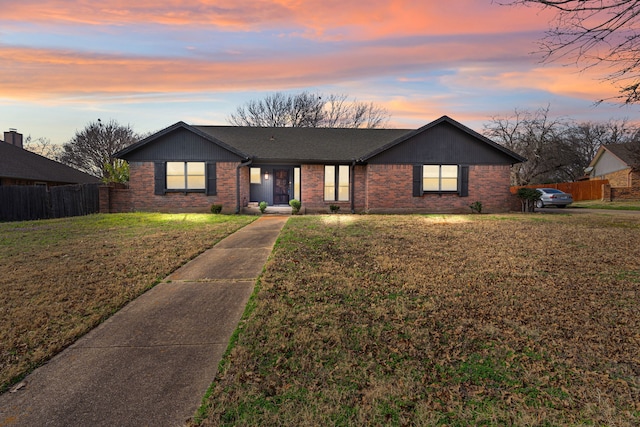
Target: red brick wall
[(390, 189), (312, 190), (140, 195), (378, 188)]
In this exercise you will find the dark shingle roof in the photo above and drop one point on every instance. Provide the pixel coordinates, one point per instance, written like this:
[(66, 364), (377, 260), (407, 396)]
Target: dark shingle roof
[(18, 163), (308, 145), (303, 144), (628, 152)]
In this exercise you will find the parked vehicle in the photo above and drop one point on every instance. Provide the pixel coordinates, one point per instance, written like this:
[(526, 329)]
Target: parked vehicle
[(553, 197)]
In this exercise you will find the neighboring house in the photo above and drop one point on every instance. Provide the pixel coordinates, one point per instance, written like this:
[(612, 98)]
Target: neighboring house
[(441, 167), (619, 163), (21, 167)]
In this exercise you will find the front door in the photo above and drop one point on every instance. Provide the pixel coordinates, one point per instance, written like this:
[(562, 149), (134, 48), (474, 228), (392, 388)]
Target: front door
[(281, 187)]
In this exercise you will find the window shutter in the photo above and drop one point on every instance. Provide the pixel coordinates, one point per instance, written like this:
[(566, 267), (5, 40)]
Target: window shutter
[(464, 181), (160, 176), (211, 179), (417, 180)]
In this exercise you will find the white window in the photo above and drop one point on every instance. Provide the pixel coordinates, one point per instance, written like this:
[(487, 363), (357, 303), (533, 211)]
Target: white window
[(296, 183), (336, 183), (186, 176), (439, 178), (255, 176)]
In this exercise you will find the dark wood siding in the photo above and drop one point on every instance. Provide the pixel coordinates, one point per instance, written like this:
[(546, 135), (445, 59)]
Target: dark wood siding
[(443, 144), (182, 145)]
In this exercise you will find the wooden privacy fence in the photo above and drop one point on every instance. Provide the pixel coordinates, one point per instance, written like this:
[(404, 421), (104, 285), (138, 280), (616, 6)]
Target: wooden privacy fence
[(23, 203), (580, 190)]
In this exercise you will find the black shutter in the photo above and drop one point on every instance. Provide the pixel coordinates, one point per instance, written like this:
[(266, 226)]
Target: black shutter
[(417, 180), (211, 179), (464, 181), (160, 176)]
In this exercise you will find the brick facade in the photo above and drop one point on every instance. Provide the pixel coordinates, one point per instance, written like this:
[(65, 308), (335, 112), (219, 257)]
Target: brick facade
[(390, 189), (378, 189), (621, 178), (140, 194), (623, 185)]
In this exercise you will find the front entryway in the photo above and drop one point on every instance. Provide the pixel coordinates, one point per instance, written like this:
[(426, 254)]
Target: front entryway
[(281, 187)]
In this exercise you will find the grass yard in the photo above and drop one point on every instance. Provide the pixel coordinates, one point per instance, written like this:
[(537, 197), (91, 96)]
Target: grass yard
[(526, 320), (626, 205), (60, 278)]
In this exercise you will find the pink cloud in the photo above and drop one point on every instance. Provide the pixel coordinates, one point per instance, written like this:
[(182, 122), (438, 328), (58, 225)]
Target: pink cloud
[(49, 72), (350, 19)]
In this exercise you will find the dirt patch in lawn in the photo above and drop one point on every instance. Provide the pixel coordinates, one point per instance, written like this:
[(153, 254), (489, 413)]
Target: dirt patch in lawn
[(441, 320), (60, 278)]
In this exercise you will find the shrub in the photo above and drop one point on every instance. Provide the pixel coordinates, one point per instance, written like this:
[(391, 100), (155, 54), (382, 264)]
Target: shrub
[(476, 207), (334, 208), (528, 198), (216, 209), (263, 206), (295, 206)]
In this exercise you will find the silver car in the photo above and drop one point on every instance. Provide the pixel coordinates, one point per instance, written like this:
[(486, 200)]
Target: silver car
[(552, 196)]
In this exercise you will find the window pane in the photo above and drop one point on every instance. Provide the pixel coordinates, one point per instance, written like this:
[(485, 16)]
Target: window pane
[(195, 168), (430, 171), (175, 175), (329, 182), (343, 183), (449, 171), (175, 182), (175, 168), (255, 176), (449, 184), (195, 175), (449, 180), (430, 184), (195, 182), (296, 183)]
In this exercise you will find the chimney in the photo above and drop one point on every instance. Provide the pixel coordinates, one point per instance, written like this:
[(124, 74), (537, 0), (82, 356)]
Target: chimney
[(13, 137)]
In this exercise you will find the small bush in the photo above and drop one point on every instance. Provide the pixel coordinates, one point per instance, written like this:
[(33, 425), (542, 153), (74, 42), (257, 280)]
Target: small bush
[(476, 207), (528, 198), (295, 206), (263, 206), (216, 209), (334, 208)]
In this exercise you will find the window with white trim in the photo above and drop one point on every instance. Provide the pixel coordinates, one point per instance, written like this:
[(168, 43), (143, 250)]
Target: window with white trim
[(186, 176), (336, 183)]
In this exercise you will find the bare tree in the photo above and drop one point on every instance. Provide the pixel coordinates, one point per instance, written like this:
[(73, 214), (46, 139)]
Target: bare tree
[(309, 110), (91, 150), (584, 139), (557, 149), (596, 32), (42, 146), (535, 136)]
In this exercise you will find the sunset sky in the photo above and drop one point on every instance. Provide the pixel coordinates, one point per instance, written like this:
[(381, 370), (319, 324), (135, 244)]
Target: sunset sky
[(149, 64)]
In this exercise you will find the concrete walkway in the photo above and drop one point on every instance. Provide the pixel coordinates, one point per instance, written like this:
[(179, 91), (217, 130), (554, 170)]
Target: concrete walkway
[(150, 363)]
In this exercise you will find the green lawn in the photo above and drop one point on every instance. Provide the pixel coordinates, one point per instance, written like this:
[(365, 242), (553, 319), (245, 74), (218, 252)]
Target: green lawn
[(440, 320), (633, 205)]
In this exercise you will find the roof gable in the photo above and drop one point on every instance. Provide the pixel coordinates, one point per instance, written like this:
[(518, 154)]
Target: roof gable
[(615, 157), (444, 141), (181, 142), (18, 163)]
